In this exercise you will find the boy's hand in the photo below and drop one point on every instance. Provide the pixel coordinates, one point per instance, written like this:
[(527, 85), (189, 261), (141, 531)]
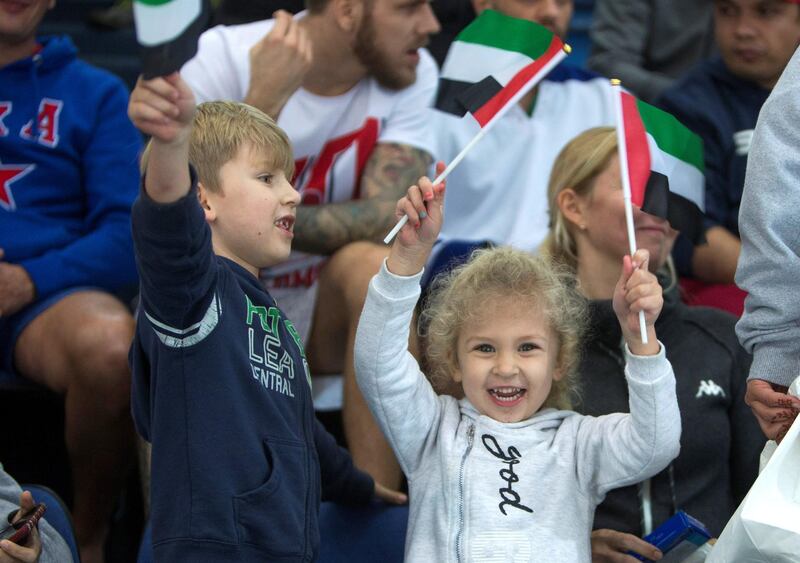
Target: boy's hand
[(162, 108), (30, 552), (638, 290), (390, 496), (424, 205)]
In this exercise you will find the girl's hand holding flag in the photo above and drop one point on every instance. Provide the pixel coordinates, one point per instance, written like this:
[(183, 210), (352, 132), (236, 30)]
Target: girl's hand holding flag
[(423, 204), (638, 295)]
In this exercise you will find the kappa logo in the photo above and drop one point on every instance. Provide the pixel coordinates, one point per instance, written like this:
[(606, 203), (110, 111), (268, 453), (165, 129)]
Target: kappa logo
[(709, 389)]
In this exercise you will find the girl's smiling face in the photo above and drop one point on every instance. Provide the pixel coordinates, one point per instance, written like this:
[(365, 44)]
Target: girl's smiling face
[(506, 359)]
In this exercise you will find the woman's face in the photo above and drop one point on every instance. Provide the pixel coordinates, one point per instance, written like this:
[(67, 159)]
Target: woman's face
[(604, 219)]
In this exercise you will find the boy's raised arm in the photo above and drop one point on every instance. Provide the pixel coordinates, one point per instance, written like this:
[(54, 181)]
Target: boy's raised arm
[(163, 108)]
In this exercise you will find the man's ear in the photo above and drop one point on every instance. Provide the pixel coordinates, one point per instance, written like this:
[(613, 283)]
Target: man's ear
[(481, 5), (571, 206), (202, 198), (348, 14)]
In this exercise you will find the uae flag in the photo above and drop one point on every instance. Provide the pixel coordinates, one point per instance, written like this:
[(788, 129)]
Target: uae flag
[(167, 32), (493, 62), (665, 165)]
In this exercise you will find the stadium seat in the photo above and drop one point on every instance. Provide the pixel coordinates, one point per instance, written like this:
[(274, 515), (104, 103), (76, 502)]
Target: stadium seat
[(57, 515)]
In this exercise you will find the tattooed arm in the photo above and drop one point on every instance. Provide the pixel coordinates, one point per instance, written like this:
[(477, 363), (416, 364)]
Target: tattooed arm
[(390, 170)]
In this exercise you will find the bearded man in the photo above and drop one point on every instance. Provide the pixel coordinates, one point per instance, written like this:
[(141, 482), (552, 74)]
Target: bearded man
[(348, 80)]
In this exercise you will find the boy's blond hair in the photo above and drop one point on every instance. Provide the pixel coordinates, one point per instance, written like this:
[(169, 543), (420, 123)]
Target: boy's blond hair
[(220, 129), (533, 281)]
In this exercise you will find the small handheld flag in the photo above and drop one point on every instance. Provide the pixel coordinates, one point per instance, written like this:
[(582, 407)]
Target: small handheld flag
[(167, 32), (661, 164), (492, 63)]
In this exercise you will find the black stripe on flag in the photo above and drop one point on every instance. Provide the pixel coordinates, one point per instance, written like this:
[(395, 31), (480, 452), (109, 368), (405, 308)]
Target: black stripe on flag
[(458, 97), (164, 59), (682, 214)]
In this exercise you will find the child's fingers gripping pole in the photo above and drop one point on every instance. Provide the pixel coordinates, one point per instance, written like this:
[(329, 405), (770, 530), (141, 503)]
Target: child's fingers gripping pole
[(626, 187), (438, 180)]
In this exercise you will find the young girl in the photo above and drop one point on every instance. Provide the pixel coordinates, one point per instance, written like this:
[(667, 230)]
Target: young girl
[(500, 475)]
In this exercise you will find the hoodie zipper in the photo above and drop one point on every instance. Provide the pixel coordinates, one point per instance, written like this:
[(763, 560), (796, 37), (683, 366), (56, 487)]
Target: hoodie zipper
[(460, 534)]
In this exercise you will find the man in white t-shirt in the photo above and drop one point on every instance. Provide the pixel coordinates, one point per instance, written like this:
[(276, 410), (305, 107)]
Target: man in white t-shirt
[(499, 191), (349, 82)]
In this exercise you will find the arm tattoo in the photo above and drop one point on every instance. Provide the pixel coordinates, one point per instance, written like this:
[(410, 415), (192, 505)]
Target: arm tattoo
[(390, 170)]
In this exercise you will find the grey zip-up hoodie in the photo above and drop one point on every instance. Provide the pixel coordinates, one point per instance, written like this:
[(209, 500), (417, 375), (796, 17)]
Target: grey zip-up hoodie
[(482, 490)]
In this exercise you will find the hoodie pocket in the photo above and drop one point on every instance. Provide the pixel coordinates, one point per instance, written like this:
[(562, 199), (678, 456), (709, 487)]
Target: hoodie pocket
[(273, 515)]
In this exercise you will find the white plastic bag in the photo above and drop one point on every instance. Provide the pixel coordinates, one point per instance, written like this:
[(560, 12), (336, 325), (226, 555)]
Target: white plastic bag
[(766, 526)]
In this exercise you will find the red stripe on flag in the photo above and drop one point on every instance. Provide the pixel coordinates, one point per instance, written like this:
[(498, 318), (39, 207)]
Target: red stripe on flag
[(637, 148), (496, 103)]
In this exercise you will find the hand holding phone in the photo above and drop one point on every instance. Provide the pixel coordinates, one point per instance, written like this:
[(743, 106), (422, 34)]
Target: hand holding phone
[(18, 531), (19, 541)]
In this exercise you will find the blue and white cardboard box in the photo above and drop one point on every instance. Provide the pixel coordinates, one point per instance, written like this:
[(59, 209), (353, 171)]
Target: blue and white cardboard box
[(677, 538)]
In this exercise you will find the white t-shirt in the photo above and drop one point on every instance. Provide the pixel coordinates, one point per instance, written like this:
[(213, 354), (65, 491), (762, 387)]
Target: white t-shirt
[(499, 191), (332, 136)]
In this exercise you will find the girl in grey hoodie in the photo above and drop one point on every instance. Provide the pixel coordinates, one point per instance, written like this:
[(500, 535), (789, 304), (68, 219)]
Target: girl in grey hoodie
[(507, 473)]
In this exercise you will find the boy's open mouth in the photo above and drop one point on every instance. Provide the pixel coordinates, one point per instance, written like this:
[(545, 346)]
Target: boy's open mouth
[(285, 223)]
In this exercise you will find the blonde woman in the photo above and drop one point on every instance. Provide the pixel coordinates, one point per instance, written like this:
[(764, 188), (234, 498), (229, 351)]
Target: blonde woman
[(721, 441)]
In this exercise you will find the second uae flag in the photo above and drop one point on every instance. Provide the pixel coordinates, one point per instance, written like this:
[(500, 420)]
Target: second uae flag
[(167, 32), (665, 165), (493, 62)]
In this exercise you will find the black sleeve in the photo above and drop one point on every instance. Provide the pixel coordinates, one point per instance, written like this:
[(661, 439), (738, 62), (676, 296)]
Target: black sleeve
[(174, 257), (341, 481)]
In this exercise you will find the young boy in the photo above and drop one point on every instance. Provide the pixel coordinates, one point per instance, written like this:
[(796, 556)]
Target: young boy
[(221, 386)]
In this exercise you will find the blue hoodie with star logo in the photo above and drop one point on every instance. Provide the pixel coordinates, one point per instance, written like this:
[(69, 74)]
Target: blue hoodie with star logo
[(68, 171)]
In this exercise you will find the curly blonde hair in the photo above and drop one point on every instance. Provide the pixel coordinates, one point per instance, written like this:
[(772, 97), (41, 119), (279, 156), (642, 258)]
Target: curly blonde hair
[(460, 295)]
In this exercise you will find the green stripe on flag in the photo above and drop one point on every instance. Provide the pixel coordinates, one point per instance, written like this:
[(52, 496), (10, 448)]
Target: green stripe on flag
[(511, 34), (154, 2), (671, 135)]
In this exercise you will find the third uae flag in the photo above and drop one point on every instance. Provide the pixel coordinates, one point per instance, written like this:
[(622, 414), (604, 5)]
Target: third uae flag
[(665, 165), (493, 62), (167, 32)]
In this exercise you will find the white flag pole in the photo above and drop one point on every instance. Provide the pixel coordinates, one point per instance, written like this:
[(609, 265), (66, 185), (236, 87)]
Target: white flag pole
[(626, 185), (557, 58)]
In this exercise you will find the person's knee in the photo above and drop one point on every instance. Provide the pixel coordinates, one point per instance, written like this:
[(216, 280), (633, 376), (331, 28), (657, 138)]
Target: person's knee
[(99, 352), (351, 268)]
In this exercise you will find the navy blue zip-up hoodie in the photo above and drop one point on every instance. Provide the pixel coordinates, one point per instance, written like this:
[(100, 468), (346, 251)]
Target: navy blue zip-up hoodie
[(68, 171), (221, 389), (722, 108)]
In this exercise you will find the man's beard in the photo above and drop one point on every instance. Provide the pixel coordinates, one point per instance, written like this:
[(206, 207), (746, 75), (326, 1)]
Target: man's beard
[(378, 64)]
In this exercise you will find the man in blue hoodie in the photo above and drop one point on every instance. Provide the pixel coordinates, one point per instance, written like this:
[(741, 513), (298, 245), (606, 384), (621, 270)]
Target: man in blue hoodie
[(68, 178), (720, 100)]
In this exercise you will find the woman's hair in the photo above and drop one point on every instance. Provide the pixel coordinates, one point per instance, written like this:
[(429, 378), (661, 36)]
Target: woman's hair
[(461, 295), (577, 166)]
